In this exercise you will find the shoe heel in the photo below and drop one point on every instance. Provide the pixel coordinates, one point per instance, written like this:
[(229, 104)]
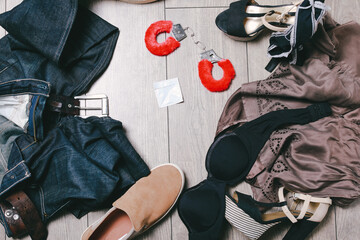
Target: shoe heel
[(300, 230), (243, 222)]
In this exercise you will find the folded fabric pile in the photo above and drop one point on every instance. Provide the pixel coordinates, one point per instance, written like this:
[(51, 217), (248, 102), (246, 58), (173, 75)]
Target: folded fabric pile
[(296, 169), (319, 158)]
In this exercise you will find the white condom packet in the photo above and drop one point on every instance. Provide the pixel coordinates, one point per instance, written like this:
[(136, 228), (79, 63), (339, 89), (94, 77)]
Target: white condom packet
[(168, 92)]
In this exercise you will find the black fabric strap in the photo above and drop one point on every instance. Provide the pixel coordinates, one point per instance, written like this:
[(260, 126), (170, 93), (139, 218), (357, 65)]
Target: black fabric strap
[(273, 63)]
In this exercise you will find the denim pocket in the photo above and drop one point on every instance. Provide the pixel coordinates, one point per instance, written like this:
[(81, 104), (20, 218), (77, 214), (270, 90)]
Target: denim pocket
[(36, 194), (10, 69), (3, 66)]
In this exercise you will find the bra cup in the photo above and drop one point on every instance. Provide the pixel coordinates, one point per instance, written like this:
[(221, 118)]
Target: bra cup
[(227, 158), (228, 161), (199, 208), (202, 209)]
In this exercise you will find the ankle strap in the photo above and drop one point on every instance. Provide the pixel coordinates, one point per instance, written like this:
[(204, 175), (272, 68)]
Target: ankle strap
[(280, 18), (285, 208), (307, 200), (301, 196), (265, 20)]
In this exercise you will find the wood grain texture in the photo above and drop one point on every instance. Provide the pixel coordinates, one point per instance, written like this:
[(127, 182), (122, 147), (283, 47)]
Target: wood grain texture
[(197, 3), (347, 221), (182, 133), (66, 227), (2, 9), (128, 82), (192, 124), (345, 11), (10, 4)]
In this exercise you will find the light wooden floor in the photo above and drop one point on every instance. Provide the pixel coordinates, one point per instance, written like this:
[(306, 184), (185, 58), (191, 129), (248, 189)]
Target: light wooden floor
[(182, 133)]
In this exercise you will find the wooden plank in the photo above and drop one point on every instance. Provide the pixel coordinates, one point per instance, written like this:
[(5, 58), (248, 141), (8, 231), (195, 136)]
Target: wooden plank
[(10, 4), (347, 221), (192, 124), (2, 9), (257, 57), (128, 82), (345, 11), (66, 226), (327, 228), (197, 3)]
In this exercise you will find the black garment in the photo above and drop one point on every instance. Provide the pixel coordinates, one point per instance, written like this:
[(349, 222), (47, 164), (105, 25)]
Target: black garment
[(290, 45), (204, 216), (228, 161)]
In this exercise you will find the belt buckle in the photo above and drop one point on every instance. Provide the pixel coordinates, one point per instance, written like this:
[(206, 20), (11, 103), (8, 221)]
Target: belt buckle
[(103, 108)]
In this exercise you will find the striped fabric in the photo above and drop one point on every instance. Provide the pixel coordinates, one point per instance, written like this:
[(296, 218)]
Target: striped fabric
[(289, 43), (243, 222)]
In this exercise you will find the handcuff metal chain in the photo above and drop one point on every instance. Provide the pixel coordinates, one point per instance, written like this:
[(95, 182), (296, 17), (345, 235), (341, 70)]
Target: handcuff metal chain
[(181, 33), (196, 41), (208, 57)]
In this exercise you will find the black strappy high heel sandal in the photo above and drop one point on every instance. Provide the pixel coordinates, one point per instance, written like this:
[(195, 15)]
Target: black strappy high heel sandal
[(245, 19), (244, 213)]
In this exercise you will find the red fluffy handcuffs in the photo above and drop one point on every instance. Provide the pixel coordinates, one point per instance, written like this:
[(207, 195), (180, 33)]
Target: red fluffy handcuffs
[(205, 66)]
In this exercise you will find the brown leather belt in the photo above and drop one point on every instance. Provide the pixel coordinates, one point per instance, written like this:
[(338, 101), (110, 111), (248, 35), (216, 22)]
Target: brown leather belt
[(22, 216), (63, 104)]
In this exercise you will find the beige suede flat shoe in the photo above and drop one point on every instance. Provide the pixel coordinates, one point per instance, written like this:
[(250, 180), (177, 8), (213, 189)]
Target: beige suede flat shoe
[(141, 207)]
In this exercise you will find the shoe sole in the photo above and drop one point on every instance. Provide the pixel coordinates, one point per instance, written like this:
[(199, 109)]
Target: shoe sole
[(243, 222), (244, 39), (182, 187)]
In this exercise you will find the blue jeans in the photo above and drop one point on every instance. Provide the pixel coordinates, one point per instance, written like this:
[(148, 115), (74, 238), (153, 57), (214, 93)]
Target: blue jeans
[(53, 47), (82, 164), (9, 132), (56, 47)]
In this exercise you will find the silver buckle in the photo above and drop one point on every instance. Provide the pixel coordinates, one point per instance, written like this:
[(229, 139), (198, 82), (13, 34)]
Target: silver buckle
[(178, 32), (103, 108), (211, 56)]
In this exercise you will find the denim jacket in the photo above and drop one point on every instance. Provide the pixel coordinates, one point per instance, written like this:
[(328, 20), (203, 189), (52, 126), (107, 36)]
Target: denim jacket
[(56, 47)]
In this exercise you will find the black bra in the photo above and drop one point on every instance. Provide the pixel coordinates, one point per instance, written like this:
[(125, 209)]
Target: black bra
[(228, 161)]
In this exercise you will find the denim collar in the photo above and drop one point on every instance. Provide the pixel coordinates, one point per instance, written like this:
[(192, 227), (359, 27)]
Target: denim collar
[(61, 39), (46, 35)]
